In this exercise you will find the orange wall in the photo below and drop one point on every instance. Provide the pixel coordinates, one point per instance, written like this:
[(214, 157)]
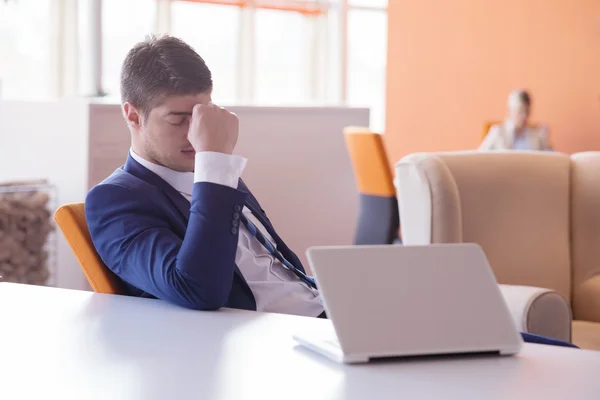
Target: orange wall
[(451, 65)]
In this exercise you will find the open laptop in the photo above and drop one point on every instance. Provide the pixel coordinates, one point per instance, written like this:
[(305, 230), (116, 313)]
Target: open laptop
[(403, 301)]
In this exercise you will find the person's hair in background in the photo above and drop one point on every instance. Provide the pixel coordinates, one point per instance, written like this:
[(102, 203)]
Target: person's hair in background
[(159, 67), (519, 108)]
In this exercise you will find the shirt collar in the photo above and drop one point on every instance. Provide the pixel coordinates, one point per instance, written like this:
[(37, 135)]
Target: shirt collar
[(180, 181)]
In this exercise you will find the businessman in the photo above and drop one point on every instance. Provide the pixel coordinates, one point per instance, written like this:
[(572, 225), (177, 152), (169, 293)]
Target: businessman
[(176, 222)]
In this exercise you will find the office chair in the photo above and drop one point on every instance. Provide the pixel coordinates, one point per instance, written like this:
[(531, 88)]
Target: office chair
[(70, 218), (378, 220)]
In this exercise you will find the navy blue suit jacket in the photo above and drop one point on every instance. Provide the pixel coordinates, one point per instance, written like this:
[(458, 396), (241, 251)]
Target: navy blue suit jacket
[(162, 246)]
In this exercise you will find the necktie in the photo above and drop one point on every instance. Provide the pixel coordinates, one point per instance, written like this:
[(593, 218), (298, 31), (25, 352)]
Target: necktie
[(309, 280)]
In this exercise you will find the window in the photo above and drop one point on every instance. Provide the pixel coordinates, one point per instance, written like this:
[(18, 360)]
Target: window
[(270, 52), (283, 58), (382, 4), (25, 41), (367, 54), (124, 23), (214, 32)]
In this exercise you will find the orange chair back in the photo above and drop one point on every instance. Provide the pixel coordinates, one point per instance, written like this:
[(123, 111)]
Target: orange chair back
[(487, 125), (70, 218), (370, 163)]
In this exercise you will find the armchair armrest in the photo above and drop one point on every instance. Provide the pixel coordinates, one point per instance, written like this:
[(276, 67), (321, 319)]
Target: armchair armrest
[(539, 311), (586, 300)]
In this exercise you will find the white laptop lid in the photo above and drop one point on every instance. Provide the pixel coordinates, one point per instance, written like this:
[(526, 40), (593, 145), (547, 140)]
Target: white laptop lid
[(413, 300)]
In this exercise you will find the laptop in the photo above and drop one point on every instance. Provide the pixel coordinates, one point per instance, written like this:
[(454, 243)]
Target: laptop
[(405, 301)]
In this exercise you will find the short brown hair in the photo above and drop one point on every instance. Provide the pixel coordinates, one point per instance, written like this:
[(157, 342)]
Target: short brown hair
[(159, 67)]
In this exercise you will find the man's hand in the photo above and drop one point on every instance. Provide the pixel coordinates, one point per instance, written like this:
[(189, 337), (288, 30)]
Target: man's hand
[(213, 128)]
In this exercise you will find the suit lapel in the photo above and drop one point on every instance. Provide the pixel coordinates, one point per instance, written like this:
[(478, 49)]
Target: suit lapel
[(251, 203), (260, 214), (138, 170), (533, 139), (509, 135), (257, 211)]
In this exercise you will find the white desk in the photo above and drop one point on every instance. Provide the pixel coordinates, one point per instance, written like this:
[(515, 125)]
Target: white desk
[(62, 344)]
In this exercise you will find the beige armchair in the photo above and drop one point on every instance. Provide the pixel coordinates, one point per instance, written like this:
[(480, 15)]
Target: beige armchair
[(535, 214)]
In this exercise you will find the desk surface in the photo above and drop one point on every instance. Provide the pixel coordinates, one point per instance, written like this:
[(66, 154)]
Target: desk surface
[(79, 345)]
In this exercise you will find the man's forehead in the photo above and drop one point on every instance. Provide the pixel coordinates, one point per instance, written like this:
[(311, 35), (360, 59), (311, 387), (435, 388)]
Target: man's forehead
[(183, 105)]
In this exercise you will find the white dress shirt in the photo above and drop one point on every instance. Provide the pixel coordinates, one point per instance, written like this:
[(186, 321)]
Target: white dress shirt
[(504, 137), (275, 288)]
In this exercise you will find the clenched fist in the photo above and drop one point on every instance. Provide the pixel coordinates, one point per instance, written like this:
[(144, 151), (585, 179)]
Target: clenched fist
[(213, 128)]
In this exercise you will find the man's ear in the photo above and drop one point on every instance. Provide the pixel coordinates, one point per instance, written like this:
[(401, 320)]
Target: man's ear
[(132, 115)]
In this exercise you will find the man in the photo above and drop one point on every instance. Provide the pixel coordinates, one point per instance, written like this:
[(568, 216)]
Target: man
[(176, 222)]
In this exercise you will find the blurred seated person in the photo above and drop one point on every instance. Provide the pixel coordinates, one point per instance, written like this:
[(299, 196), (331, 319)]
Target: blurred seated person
[(515, 133)]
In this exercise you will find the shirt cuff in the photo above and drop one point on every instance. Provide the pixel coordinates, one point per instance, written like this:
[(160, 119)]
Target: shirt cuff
[(223, 169)]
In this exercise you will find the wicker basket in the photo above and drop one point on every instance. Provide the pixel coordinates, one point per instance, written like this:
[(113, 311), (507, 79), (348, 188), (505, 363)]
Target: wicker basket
[(27, 233)]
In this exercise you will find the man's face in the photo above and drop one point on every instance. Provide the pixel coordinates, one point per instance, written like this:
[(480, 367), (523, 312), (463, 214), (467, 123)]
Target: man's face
[(161, 136), (519, 115)]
